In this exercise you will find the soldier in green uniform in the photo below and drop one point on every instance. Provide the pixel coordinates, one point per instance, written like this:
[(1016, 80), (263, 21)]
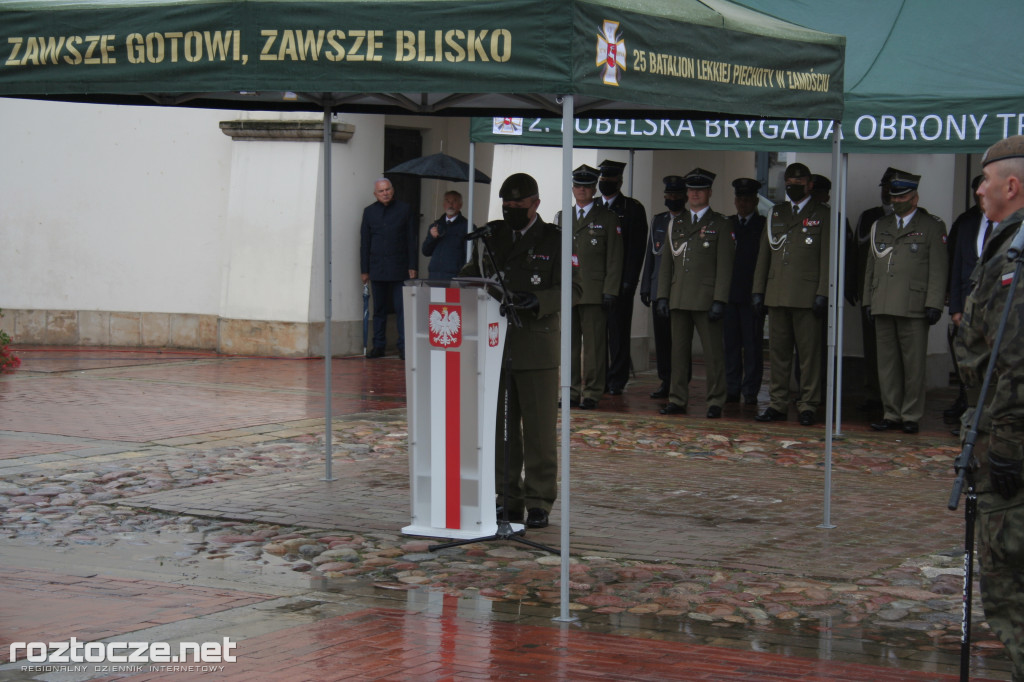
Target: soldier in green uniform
[(528, 252), (693, 288), (597, 258), (1000, 444), (904, 292), (791, 280)]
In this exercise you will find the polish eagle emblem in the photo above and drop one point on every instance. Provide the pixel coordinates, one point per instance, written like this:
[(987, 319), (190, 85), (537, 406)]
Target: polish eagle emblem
[(445, 326)]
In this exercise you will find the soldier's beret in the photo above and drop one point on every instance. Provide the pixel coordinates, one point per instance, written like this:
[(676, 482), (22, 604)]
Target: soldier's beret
[(885, 176), (745, 186), (674, 183), (699, 178), (518, 186), (821, 182), (585, 175), (797, 170), (902, 182), (612, 169), (1010, 148)]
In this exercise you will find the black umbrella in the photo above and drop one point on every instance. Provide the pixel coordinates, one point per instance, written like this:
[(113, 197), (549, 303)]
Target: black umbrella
[(439, 166)]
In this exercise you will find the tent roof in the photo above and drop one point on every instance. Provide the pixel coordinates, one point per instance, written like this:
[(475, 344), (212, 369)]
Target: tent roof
[(455, 57)]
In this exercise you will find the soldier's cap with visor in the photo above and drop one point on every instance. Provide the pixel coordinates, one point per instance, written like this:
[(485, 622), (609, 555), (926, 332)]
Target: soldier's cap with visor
[(745, 186), (902, 182), (884, 182), (1010, 148), (821, 182), (797, 170), (612, 169), (585, 176), (699, 178), (674, 184), (518, 186)]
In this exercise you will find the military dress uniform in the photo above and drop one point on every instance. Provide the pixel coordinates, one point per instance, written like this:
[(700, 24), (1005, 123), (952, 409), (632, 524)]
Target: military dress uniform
[(530, 264), (597, 259), (662, 326), (633, 224), (743, 327), (792, 271), (1000, 524), (696, 272), (905, 276)]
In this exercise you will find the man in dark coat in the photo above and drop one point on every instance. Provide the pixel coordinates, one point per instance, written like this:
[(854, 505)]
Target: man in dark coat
[(387, 257), (743, 327), (633, 222), (446, 240)]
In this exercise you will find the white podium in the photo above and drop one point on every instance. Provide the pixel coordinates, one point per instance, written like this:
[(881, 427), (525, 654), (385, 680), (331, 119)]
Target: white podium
[(454, 335)]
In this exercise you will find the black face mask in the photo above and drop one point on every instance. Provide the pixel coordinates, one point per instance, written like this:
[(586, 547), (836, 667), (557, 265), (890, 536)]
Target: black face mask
[(796, 193), (516, 218), (608, 187), (675, 205)]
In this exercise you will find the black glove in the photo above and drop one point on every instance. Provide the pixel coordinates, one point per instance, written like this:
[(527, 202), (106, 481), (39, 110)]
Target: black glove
[(867, 313), (524, 300), (758, 301), (645, 299), (819, 306), (932, 315), (607, 301), (1004, 475), (717, 311), (661, 307)]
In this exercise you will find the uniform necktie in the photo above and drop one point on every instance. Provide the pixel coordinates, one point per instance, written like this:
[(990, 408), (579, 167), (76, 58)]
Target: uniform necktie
[(516, 235), (899, 222), (693, 218), (985, 233), (796, 209), (579, 216), (743, 222)]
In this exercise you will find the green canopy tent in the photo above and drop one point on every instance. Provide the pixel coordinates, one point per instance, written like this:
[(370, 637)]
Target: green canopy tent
[(440, 57)]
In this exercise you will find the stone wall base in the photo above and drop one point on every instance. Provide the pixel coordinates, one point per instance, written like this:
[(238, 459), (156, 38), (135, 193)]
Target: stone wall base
[(179, 330)]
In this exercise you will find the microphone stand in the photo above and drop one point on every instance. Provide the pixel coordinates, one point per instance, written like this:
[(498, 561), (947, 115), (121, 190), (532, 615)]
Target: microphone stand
[(965, 464), (508, 309)]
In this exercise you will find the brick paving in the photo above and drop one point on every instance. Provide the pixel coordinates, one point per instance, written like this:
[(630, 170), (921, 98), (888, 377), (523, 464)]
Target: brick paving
[(732, 495)]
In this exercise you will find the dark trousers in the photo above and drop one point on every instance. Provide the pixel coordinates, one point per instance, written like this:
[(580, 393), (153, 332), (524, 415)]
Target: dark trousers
[(620, 327), (744, 352), (387, 297), (663, 348)]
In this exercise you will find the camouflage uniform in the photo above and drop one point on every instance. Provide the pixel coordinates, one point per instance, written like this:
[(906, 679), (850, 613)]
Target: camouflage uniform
[(1000, 525)]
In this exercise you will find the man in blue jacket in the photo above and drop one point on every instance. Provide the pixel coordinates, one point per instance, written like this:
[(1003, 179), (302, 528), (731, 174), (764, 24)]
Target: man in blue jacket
[(387, 257), (446, 240)]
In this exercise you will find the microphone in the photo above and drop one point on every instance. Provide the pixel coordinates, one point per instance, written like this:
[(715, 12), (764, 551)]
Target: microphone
[(480, 232), (1017, 245)]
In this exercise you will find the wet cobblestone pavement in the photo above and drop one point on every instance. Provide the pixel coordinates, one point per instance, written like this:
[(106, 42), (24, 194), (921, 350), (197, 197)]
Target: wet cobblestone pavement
[(190, 500)]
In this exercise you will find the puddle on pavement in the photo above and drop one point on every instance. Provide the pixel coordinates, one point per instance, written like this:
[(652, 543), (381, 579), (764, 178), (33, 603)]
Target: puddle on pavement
[(818, 638)]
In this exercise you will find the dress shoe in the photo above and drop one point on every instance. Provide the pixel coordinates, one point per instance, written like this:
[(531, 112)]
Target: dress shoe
[(660, 394), (672, 408), (536, 518), (732, 398), (514, 515), (771, 415), (714, 412), (910, 427), (886, 425), (806, 418), (375, 353), (615, 391), (588, 404), (955, 432)]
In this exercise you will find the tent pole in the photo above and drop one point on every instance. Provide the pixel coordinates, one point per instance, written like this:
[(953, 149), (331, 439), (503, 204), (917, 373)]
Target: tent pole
[(327, 290), (840, 183), (469, 199), (568, 124), (833, 307)]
